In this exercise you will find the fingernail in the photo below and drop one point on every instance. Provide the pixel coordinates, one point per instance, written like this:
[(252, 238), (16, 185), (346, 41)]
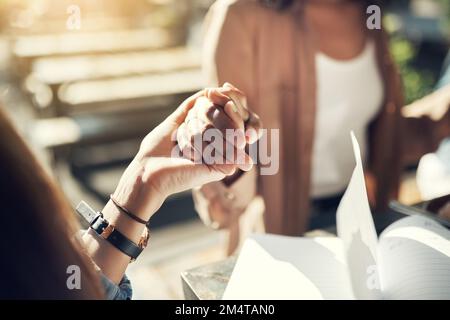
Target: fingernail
[(235, 109), (241, 140), (246, 166), (251, 135)]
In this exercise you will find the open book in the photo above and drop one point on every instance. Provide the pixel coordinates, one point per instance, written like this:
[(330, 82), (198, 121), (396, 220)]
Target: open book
[(410, 260)]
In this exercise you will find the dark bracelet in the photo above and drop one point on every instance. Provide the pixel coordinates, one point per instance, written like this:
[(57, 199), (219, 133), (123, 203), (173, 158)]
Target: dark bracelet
[(108, 232), (128, 213)]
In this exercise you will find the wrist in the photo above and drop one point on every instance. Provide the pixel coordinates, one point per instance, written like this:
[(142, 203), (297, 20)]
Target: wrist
[(129, 228), (136, 192)]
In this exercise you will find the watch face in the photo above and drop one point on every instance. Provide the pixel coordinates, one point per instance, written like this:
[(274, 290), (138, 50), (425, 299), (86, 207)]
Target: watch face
[(87, 212)]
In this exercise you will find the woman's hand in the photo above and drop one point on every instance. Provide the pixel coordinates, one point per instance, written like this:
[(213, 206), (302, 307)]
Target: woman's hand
[(156, 172), (218, 128), (159, 170)]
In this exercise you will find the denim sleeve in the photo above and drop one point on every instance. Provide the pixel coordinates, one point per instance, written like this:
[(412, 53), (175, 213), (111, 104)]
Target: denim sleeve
[(122, 291)]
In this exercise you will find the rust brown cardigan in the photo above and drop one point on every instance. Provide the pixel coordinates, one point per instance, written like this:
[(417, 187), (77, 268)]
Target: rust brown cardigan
[(270, 56)]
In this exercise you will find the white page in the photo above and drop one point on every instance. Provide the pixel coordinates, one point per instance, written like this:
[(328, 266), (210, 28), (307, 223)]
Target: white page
[(414, 260), (356, 229), (280, 267)]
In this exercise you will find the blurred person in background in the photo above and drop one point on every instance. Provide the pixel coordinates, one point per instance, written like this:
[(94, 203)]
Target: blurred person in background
[(314, 70), (433, 112), (39, 238)]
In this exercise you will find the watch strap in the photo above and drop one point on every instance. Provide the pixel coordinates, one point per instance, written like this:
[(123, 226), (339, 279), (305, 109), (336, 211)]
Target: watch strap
[(108, 232), (116, 238)]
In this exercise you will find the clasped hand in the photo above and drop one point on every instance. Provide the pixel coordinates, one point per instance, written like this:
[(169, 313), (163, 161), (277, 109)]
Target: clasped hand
[(172, 157)]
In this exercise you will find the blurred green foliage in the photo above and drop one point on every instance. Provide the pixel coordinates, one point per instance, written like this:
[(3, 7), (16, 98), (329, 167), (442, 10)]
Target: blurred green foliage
[(445, 5), (417, 83)]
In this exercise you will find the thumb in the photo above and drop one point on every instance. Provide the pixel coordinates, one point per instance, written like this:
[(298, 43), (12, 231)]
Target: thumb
[(202, 173), (207, 174), (180, 114), (186, 174)]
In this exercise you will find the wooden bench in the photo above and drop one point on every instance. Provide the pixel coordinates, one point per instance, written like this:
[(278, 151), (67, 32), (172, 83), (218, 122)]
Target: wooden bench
[(27, 48), (53, 79), (132, 92), (59, 70)]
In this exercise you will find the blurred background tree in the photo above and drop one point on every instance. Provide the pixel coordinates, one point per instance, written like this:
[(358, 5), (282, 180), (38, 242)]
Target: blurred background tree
[(417, 82), (419, 42)]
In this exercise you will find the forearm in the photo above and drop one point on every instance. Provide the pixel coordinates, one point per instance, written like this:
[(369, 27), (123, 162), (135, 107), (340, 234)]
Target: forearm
[(133, 194), (108, 258)]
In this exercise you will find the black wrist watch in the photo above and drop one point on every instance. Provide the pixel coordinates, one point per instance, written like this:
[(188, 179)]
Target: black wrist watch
[(108, 232)]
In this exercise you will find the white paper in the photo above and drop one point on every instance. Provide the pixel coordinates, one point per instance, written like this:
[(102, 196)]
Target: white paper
[(356, 229), (278, 267), (415, 260), (411, 261)]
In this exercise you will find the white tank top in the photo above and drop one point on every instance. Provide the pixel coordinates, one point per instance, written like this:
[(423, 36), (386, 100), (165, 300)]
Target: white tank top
[(349, 95)]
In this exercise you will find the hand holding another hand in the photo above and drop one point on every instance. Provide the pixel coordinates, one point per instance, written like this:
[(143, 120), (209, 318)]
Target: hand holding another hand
[(218, 128), (156, 172)]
